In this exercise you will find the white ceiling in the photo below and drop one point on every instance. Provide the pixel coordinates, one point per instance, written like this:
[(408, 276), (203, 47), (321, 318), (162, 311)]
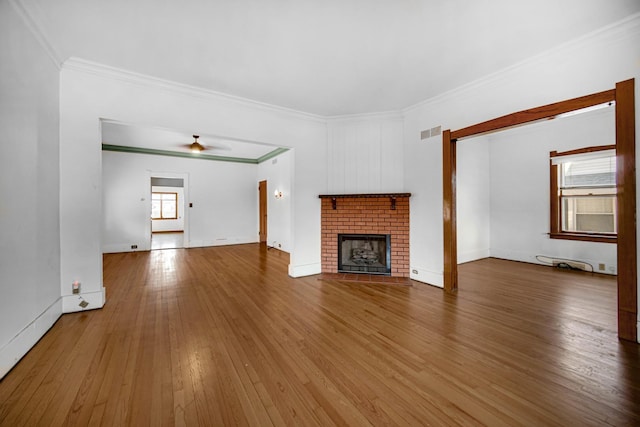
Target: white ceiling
[(325, 57), (328, 57), (131, 135)]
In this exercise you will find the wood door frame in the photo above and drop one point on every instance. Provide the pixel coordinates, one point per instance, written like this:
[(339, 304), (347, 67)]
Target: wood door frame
[(624, 97), (262, 211)]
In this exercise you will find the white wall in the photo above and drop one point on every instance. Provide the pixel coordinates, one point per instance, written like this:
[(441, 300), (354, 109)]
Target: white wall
[(278, 172), (474, 191), (223, 194), (591, 64), (159, 225), (365, 154), (520, 188), (29, 231), (423, 179)]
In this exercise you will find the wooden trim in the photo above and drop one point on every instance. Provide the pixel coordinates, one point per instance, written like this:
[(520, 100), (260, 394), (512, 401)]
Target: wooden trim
[(582, 150), (626, 180), (162, 218), (584, 237), (534, 114), (359, 196), (554, 199), (623, 95), (449, 212), (262, 211), (392, 198)]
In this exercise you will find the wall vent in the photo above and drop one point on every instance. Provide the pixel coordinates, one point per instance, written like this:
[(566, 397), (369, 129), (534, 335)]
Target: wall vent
[(435, 131)]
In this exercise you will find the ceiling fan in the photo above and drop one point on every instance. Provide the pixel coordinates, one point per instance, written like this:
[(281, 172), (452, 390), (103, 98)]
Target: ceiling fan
[(195, 147)]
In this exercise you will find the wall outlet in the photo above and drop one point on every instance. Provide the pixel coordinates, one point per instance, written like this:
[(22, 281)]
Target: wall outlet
[(279, 245), (75, 287), (601, 267), (134, 246)]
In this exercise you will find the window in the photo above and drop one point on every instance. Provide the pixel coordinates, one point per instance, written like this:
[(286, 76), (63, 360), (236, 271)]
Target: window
[(164, 205), (583, 194)]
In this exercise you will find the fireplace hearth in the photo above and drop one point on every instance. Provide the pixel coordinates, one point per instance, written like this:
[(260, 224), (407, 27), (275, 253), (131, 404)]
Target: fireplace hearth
[(364, 253)]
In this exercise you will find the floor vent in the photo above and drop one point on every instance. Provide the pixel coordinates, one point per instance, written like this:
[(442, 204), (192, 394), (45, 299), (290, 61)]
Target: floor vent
[(571, 265)]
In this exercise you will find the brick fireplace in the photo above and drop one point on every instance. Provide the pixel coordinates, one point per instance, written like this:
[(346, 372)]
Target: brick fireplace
[(367, 215)]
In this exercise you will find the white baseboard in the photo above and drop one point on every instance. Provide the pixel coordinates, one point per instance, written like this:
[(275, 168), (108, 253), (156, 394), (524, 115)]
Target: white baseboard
[(71, 303), (123, 247), (223, 241), (305, 269), (19, 345), (434, 278)]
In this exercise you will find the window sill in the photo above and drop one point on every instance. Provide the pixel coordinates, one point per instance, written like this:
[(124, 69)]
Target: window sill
[(585, 237)]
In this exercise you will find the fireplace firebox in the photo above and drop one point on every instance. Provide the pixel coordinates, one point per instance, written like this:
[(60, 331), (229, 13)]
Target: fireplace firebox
[(364, 253)]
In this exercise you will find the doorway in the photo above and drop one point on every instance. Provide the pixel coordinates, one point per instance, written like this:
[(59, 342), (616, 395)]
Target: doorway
[(623, 96), (168, 211), (262, 210)]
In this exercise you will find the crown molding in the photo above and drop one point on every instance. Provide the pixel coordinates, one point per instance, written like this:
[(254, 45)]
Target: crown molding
[(363, 117), (144, 80), (619, 30), (272, 154), (200, 156), (114, 73), (36, 29)]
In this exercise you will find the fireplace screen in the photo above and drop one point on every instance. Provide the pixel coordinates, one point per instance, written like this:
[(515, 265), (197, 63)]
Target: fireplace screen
[(364, 253)]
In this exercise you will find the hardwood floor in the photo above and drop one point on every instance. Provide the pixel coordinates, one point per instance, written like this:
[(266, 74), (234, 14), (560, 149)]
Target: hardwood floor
[(167, 240), (222, 336)]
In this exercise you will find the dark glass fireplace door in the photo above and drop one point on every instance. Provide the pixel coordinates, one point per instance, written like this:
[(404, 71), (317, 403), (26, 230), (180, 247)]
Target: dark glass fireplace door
[(364, 253)]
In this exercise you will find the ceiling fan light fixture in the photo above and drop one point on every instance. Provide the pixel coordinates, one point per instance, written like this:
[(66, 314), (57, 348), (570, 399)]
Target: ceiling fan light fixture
[(196, 147)]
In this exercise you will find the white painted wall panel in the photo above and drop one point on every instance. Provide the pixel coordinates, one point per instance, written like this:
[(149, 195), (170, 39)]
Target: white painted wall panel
[(423, 179), (391, 178), (29, 185), (365, 155)]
